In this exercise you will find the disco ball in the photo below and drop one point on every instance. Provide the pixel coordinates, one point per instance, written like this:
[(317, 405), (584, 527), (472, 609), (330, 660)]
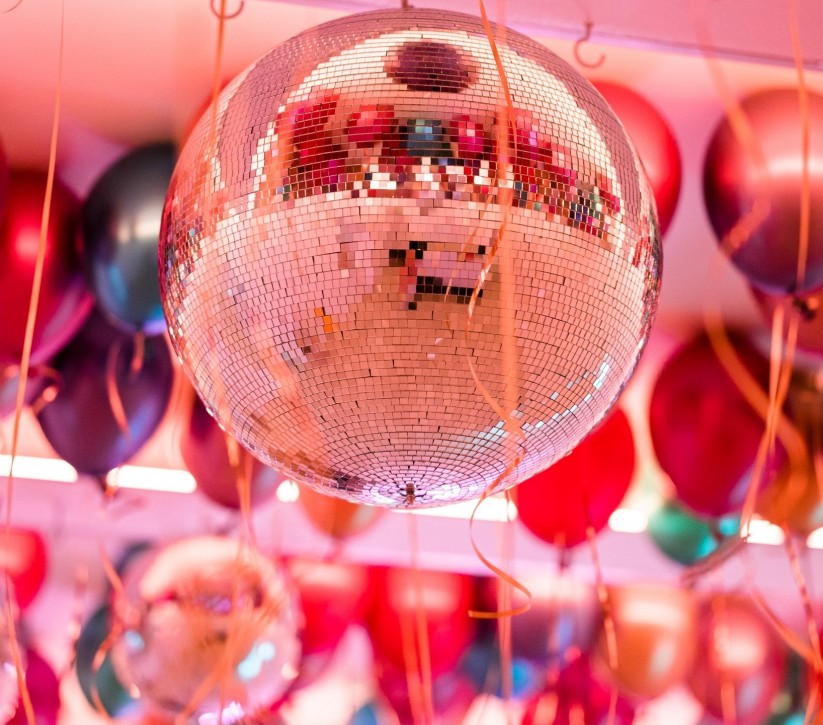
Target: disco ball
[(322, 242)]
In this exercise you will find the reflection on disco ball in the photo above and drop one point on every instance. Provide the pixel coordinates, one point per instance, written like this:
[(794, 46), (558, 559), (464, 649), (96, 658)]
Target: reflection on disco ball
[(322, 244), (210, 624)]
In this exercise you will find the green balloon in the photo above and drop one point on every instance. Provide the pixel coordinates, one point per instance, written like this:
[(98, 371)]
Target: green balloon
[(113, 695), (686, 538)]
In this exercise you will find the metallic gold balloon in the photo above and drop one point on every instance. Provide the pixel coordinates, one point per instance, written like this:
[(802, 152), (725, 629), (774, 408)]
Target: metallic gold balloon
[(321, 249), (213, 623), (655, 633)]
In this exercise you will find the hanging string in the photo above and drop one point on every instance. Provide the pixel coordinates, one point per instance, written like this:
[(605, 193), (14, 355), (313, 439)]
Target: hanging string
[(515, 438), (609, 627), (24, 368), (421, 631)]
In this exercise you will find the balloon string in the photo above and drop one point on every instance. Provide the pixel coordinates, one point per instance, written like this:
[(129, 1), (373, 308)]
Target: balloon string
[(803, 590), (504, 594), (113, 390), (420, 626), (608, 618), (789, 636), (805, 184), (719, 644), (75, 625), (509, 352), (24, 370), (413, 684)]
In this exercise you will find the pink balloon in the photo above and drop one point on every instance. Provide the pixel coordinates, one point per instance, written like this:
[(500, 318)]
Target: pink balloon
[(740, 648), (64, 299), (768, 173), (655, 144)]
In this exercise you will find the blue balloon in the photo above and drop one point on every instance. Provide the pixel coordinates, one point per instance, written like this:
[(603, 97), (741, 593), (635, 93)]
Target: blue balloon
[(121, 228), (366, 715)]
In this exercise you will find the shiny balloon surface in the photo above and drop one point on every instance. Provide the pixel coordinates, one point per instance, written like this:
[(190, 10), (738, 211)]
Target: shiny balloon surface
[(81, 423), (741, 653), (209, 611), (121, 226), (655, 636), (753, 187), (207, 452), (655, 143), (583, 489), (319, 259), (64, 298), (705, 433)]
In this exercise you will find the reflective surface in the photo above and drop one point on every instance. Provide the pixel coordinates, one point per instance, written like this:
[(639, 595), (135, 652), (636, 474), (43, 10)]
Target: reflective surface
[(207, 612), (319, 256)]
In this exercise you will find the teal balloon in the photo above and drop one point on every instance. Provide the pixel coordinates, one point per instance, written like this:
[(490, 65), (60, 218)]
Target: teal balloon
[(687, 538), (366, 715), (113, 695), (789, 718)]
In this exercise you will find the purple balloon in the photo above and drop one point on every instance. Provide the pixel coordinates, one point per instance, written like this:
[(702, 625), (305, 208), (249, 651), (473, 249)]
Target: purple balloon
[(80, 423)]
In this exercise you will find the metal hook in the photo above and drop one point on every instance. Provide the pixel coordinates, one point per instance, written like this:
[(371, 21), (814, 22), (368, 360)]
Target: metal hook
[(587, 34), (13, 7), (227, 16)]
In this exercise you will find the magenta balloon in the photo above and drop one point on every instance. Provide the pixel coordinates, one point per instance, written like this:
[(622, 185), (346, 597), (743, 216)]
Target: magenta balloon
[(64, 299), (4, 180), (577, 697), (204, 451), (734, 181), (80, 423), (44, 690), (704, 432)]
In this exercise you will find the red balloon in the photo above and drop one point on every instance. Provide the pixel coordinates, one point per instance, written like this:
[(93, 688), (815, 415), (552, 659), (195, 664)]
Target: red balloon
[(203, 446), (705, 434), (23, 556), (740, 650), (577, 697), (452, 694), (64, 299), (44, 690), (655, 143), (4, 180), (735, 179), (397, 598), (333, 596), (582, 489)]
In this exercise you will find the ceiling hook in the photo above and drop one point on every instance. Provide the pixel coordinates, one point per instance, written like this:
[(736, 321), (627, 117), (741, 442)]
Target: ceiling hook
[(227, 16), (13, 7), (587, 34)]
